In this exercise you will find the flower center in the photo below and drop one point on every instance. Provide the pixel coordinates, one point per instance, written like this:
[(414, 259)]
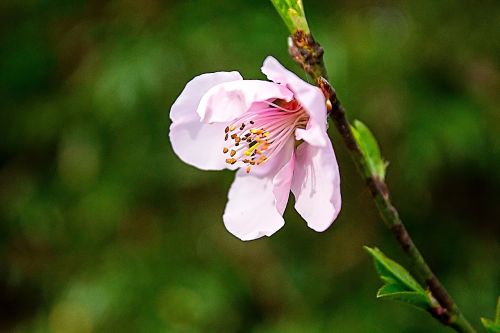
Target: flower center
[(260, 133)]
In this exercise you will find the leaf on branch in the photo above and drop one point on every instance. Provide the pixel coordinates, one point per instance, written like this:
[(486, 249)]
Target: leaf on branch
[(399, 284), (292, 13), (370, 149), (490, 325), (392, 272), (392, 292)]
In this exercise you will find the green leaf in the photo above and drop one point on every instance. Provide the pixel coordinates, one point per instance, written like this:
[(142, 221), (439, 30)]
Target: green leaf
[(292, 13), (370, 149), (393, 273), (490, 325), (394, 292), (399, 284)]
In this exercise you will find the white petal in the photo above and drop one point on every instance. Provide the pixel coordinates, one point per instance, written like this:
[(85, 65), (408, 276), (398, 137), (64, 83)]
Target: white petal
[(195, 142), (256, 204), (310, 97), (185, 106), (227, 101), (316, 185)]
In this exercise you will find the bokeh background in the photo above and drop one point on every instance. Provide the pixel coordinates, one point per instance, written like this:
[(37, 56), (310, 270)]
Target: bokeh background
[(104, 229)]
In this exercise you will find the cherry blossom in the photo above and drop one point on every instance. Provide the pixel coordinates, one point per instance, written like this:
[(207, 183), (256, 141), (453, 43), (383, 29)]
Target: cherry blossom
[(274, 133)]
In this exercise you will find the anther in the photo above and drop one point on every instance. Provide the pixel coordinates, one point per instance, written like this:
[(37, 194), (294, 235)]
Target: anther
[(248, 169), (328, 105), (227, 129), (225, 150), (232, 153)]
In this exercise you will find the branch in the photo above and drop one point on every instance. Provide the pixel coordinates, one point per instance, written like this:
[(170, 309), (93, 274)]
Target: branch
[(309, 55)]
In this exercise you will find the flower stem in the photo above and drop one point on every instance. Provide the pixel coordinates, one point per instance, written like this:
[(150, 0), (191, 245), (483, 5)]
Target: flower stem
[(309, 55)]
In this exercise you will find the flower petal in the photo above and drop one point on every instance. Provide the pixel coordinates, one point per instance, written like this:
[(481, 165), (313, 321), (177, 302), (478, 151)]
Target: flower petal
[(310, 97), (227, 101), (282, 183), (316, 185), (256, 204), (185, 106), (275, 163), (197, 143)]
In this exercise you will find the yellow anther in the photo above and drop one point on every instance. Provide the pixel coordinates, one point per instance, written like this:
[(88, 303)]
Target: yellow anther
[(232, 153), (328, 105), (225, 150), (252, 148)]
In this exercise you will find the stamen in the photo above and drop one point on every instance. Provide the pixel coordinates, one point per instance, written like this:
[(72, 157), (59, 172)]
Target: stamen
[(269, 130), (252, 148)]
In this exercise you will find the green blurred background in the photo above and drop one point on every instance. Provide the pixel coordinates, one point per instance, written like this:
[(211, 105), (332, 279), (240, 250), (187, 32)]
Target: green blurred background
[(103, 228)]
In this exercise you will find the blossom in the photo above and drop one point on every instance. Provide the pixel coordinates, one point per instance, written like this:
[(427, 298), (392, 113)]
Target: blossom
[(274, 132)]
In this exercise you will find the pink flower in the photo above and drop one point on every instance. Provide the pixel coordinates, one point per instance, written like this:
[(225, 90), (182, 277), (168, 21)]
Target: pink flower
[(274, 133)]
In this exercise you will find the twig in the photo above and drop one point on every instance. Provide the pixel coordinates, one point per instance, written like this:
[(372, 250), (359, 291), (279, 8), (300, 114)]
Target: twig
[(309, 55)]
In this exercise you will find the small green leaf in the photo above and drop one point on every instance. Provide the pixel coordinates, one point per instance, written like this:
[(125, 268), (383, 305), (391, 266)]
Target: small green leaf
[(399, 284), (292, 13), (370, 149), (490, 325), (393, 273), (394, 292)]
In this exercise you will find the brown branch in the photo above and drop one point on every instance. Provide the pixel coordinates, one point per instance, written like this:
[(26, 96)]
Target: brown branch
[(309, 55)]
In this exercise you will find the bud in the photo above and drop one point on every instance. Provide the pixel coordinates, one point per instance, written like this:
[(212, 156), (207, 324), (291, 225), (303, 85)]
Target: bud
[(292, 13)]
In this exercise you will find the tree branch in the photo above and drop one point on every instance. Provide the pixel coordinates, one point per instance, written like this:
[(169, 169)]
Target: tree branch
[(309, 55)]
